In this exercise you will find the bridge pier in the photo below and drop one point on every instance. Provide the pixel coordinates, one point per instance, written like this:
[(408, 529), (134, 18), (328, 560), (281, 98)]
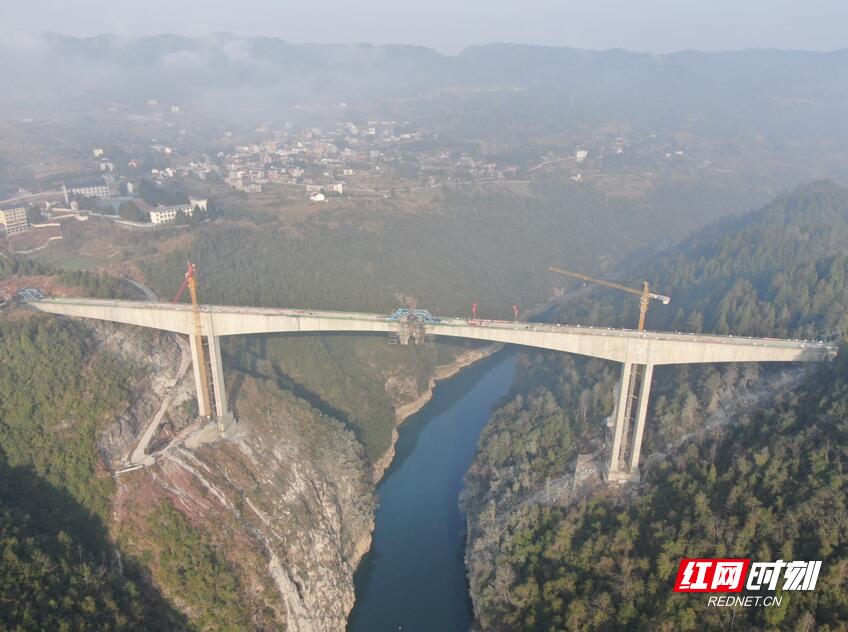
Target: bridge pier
[(644, 394), (202, 410), (219, 389), (623, 465), (218, 386)]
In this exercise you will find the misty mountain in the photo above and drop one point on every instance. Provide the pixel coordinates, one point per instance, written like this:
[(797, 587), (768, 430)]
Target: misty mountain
[(793, 91)]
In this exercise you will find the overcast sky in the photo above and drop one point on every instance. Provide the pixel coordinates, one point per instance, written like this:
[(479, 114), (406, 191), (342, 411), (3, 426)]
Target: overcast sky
[(450, 25)]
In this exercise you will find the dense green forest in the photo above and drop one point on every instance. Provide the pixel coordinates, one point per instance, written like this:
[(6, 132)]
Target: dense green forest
[(781, 271), (60, 571), (773, 487), (489, 245), (336, 374), (56, 393), (765, 485), (89, 284), (196, 573)]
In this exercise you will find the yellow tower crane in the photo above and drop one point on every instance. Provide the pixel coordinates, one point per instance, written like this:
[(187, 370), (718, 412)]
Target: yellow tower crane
[(645, 295), (191, 283)]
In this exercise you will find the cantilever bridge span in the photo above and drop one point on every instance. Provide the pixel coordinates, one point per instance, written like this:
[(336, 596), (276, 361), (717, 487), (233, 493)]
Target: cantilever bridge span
[(636, 351)]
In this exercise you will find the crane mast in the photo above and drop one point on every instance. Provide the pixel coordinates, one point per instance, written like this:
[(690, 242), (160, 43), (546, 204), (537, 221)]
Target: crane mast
[(191, 283)]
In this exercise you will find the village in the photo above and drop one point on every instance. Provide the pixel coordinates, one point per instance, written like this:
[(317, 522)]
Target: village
[(182, 173)]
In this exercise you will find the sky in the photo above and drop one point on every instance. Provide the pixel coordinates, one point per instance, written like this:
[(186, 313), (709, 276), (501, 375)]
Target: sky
[(451, 25)]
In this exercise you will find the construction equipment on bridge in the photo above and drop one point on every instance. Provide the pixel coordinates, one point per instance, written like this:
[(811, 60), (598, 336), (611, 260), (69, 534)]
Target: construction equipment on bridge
[(637, 373), (419, 315), (412, 323), (645, 295), (190, 283)]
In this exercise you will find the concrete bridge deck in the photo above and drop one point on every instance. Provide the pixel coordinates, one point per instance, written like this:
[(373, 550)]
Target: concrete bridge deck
[(619, 345), (638, 351)]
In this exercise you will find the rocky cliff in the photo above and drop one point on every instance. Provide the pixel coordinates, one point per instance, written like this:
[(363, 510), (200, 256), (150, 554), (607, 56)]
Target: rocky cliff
[(284, 500), (261, 528)]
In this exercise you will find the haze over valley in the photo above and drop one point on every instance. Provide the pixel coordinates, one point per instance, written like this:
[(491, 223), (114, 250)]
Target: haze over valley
[(282, 348)]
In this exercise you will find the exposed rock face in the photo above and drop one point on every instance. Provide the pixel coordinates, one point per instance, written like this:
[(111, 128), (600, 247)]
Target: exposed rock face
[(286, 499), (156, 358)]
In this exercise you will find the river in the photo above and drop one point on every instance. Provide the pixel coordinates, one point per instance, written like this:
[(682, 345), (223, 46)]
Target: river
[(413, 579)]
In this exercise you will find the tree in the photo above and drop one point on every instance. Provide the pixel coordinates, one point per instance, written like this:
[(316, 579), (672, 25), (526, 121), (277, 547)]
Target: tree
[(154, 195), (129, 210), (33, 214)]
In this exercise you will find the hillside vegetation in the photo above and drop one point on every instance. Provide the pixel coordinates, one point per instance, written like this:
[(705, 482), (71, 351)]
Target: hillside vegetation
[(767, 485), (56, 393), (780, 271), (773, 487), (60, 571)]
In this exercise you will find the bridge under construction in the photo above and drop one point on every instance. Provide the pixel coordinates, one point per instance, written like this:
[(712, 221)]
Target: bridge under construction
[(637, 351)]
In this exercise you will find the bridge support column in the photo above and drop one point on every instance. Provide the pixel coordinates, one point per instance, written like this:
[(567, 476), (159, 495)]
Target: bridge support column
[(644, 394), (218, 386), (623, 465), (613, 467), (198, 381)]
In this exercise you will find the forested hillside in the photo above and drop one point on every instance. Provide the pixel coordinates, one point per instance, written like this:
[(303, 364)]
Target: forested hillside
[(475, 243), (780, 271), (60, 571), (543, 563), (772, 487), (347, 377)]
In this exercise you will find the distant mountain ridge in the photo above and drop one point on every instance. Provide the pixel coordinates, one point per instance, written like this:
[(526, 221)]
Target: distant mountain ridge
[(804, 90)]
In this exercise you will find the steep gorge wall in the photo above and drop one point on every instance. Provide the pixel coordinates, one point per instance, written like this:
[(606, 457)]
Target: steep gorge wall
[(284, 504), (286, 501)]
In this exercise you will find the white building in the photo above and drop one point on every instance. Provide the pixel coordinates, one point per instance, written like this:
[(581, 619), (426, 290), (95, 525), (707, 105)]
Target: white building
[(165, 214), (88, 187), (162, 215), (198, 203), (13, 219), (317, 197), (580, 155)]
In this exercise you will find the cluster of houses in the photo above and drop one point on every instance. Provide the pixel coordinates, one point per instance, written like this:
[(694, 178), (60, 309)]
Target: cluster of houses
[(323, 160), (318, 159)]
